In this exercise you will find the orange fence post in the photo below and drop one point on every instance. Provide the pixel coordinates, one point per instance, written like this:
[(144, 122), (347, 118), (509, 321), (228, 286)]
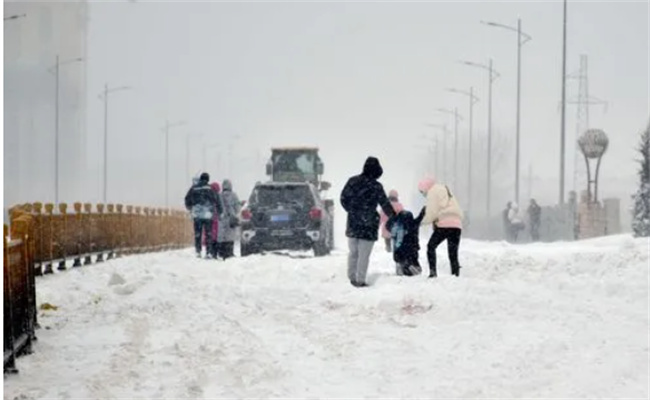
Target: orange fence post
[(129, 231), (61, 236), (119, 230), (76, 228), (162, 224), (110, 231), (101, 233), (138, 223), (39, 247), (89, 233), (27, 285), (48, 237)]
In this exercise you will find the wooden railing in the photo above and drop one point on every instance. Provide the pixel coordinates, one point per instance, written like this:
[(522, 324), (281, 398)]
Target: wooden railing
[(40, 238), (19, 292), (110, 231)]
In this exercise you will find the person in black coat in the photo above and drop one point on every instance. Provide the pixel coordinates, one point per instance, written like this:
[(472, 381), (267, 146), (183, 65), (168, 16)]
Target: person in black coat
[(360, 198), (405, 231), (535, 214), (202, 203)]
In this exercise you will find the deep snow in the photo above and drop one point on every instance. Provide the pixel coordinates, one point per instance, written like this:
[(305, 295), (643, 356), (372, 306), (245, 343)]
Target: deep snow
[(537, 321)]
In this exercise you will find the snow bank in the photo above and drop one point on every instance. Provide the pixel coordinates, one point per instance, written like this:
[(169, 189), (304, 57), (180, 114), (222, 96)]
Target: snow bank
[(538, 321)]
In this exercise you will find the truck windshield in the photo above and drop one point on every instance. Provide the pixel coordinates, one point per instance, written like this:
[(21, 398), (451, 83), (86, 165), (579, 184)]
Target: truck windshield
[(289, 163), (284, 194)]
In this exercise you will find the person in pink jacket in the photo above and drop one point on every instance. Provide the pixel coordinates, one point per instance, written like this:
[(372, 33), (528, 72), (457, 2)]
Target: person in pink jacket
[(393, 196), (213, 247), (443, 211)]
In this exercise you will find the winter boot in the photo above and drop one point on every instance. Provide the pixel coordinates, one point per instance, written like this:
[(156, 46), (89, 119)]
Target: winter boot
[(433, 273)]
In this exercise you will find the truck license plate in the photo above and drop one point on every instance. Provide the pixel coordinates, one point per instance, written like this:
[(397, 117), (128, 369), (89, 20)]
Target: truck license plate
[(282, 233), (280, 218)]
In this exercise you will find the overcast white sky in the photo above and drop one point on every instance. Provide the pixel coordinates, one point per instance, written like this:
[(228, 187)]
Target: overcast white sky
[(356, 79)]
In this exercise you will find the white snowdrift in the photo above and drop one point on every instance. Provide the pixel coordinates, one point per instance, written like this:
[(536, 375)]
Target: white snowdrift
[(557, 320)]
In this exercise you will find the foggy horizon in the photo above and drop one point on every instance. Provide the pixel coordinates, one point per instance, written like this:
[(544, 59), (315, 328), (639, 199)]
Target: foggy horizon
[(354, 79)]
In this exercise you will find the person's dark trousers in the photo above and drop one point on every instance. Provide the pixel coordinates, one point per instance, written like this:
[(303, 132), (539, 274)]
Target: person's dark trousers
[(534, 232), (452, 236), (226, 249), (200, 226), (229, 249), (214, 248)]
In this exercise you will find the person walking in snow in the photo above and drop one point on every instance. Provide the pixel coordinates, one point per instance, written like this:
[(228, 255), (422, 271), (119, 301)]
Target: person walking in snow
[(443, 211), (213, 245), (202, 203), (393, 197), (229, 221), (405, 231), (360, 198), (507, 229), (534, 215), (516, 222)]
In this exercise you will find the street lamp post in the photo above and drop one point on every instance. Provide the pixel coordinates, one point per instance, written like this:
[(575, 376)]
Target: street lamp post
[(522, 38), (104, 96), (492, 76), (431, 151), (472, 100), (166, 130), (445, 131), (56, 68), (457, 117), (563, 118)]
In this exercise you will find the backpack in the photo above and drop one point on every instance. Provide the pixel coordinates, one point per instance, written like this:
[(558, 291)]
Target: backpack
[(397, 233)]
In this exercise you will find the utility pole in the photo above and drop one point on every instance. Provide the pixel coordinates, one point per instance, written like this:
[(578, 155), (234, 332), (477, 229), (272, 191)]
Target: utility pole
[(442, 128), (56, 69), (518, 156), (520, 43), (563, 118), (492, 76), (105, 142), (104, 96), (489, 153), (56, 131), (472, 100), (457, 117), (583, 102)]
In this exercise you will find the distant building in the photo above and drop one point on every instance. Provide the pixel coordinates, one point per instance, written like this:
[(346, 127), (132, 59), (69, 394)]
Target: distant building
[(31, 44)]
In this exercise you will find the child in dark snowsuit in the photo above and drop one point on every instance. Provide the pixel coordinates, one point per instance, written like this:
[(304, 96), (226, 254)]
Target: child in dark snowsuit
[(405, 234)]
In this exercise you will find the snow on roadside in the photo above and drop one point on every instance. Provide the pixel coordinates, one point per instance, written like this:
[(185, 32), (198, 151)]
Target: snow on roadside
[(540, 320)]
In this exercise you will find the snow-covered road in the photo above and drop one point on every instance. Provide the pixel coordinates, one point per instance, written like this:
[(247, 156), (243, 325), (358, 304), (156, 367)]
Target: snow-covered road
[(537, 321)]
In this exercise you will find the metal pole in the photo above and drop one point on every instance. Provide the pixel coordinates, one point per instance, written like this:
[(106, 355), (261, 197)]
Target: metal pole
[(105, 143), (56, 133), (167, 164), (469, 171), (563, 118), (455, 148), (518, 109), (489, 144)]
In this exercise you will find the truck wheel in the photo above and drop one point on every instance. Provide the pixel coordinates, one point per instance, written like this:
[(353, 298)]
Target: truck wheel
[(247, 249)]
